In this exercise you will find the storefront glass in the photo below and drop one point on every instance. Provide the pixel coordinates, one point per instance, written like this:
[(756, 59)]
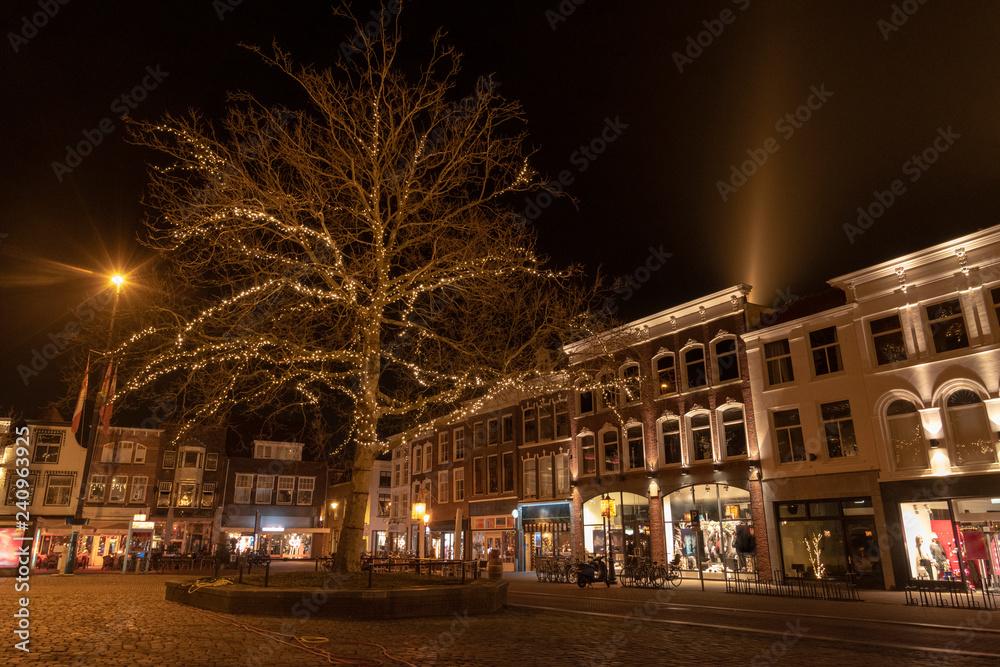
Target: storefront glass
[(727, 542), (829, 539), (954, 540), (628, 532)]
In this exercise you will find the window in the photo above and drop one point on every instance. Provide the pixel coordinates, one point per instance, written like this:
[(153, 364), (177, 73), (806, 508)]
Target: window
[(428, 456), (492, 432), (169, 459), (207, 494), (139, 489), (825, 351), (241, 493), (670, 441), (459, 480), (562, 419), (545, 423), (585, 401), (286, 488), (286, 451), (459, 440), (507, 428), (97, 486), (609, 392), (444, 448), (779, 362), (694, 367), (734, 434), (163, 494), (118, 484), (57, 489), (418, 458), (508, 471), (265, 484), (185, 494), (701, 437), (140, 454), (478, 476), (727, 366), (906, 435), (384, 504), (947, 326), (887, 337), (395, 475), (47, 444), (588, 455), (493, 468), (995, 294), (305, 494), (609, 448), (211, 461), (838, 428), (545, 487), (444, 490), (788, 436), (970, 430), (27, 494), (666, 375), (530, 425), (530, 478), (562, 474), (630, 383), (636, 448), (478, 435), (384, 479), (108, 453), (124, 453), (190, 459)]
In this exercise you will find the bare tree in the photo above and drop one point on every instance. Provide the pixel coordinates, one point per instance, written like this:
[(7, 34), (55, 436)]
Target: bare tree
[(358, 252)]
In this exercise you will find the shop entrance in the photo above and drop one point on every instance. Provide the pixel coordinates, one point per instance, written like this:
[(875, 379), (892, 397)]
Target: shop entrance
[(628, 533), (726, 542)]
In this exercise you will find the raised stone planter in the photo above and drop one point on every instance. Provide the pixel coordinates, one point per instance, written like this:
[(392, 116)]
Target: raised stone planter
[(480, 597)]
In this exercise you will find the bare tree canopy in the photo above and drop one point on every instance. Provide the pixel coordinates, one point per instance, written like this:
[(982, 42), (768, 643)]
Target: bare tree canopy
[(357, 252)]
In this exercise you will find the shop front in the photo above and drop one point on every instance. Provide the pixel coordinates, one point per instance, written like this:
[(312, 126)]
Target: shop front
[(288, 543), (545, 532), (495, 532), (709, 527), (946, 530), (829, 539), (625, 533), (441, 540)]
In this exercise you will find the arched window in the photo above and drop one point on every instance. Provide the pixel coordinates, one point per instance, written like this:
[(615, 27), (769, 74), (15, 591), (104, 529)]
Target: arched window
[(636, 447), (666, 374), (610, 451), (701, 437), (608, 392), (725, 360), (905, 435), (670, 441), (694, 367), (734, 433), (970, 430), (588, 454), (630, 383)]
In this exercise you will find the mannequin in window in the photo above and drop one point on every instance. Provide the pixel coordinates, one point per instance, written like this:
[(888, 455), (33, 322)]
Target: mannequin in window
[(940, 558), (924, 567)]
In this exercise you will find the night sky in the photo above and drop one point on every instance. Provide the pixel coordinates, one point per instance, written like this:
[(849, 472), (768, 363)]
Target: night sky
[(645, 108)]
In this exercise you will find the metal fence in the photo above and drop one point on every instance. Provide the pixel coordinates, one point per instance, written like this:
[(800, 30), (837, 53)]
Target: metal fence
[(793, 587), (944, 594)]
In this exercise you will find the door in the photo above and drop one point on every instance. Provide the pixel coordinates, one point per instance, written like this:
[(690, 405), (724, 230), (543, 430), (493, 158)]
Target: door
[(863, 555)]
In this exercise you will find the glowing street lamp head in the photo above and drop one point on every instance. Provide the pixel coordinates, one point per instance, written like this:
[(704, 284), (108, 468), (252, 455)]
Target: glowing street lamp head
[(118, 280)]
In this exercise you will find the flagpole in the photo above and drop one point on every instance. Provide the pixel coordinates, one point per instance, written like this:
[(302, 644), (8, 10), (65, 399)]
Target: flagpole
[(91, 441)]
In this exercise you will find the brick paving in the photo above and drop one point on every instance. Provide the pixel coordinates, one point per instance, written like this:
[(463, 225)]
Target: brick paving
[(124, 620)]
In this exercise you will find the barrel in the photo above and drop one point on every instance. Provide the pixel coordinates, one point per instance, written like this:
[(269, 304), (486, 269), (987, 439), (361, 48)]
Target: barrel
[(494, 568)]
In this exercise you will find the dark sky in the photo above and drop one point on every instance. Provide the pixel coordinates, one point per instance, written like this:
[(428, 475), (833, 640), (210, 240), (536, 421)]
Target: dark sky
[(690, 90)]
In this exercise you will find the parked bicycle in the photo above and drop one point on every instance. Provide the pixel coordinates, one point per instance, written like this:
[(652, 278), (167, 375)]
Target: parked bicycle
[(645, 573)]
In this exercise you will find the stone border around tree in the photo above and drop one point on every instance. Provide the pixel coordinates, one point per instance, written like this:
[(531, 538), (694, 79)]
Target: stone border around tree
[(480, 597)]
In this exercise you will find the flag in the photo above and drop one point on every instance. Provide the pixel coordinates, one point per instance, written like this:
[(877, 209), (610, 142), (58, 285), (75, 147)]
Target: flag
[(106, 409), (78, 412), (102, 395)]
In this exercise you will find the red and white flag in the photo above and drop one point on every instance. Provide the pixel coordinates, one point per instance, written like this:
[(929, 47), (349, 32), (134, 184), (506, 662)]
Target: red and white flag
[(78, 412), (109, 404)]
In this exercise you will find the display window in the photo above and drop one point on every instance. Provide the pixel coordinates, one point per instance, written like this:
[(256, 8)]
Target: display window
[(953, 540), (622, 535), (723, 512)]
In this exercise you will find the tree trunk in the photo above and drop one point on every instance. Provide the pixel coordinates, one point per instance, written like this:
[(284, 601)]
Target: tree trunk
[(351, 544)]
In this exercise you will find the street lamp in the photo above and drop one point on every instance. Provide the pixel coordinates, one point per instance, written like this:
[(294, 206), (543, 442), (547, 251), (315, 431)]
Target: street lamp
[(419, 514), (608, 511), (118, 280)]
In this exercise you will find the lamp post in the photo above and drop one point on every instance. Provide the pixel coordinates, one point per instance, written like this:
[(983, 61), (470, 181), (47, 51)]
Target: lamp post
[(91, 444), (608, 511), (419, 515)]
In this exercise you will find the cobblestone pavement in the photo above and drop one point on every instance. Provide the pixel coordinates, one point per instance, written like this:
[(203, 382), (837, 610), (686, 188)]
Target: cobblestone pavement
[(124, 620)]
